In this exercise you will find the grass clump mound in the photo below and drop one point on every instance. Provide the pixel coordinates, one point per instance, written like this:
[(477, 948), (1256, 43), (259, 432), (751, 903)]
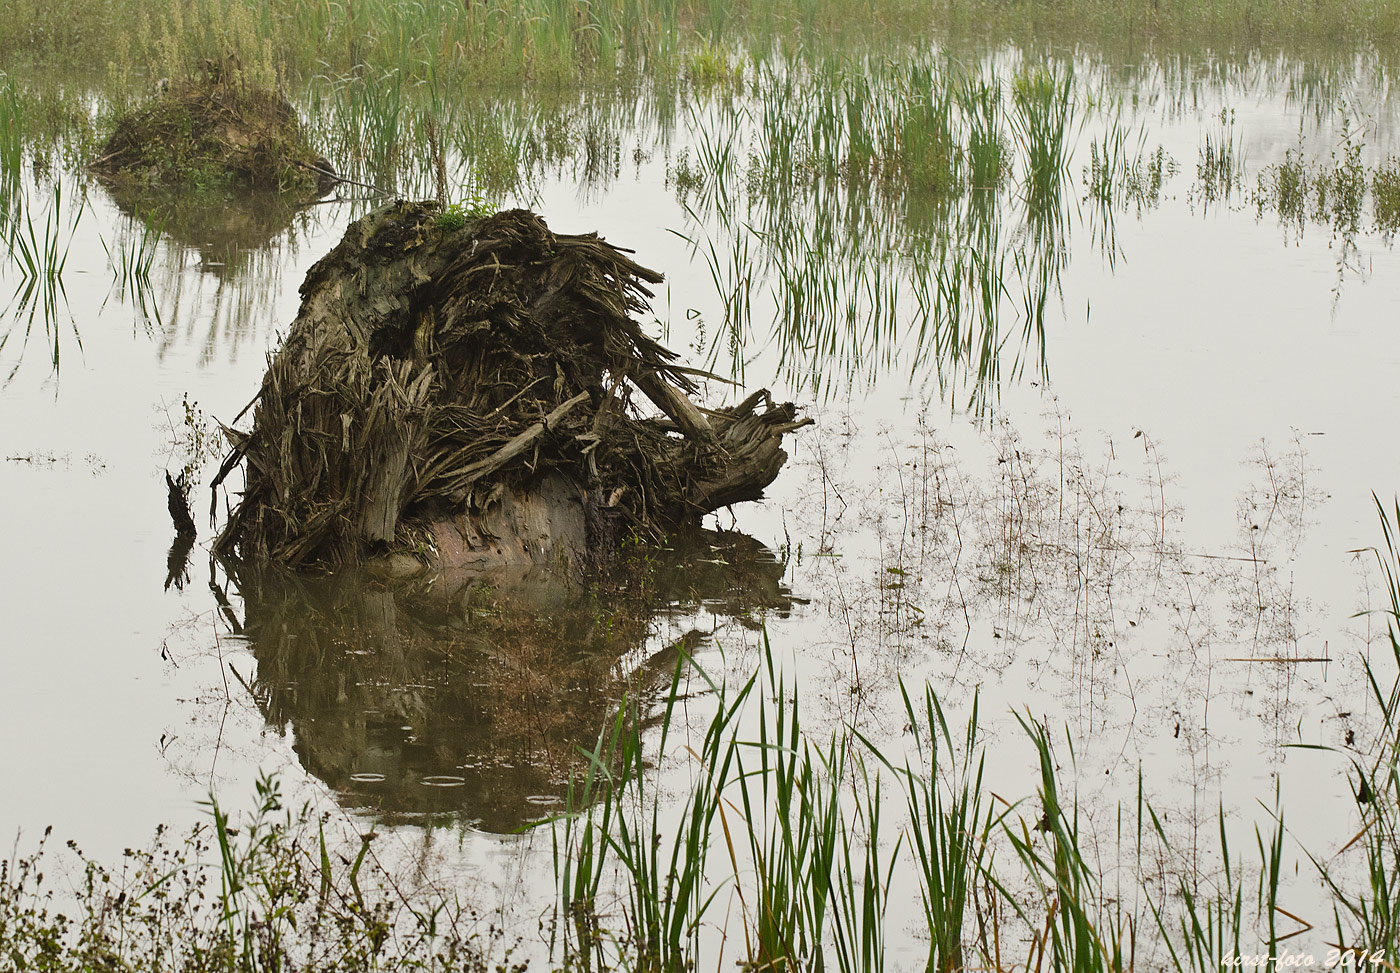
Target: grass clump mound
[(215, 127), (463, 397)]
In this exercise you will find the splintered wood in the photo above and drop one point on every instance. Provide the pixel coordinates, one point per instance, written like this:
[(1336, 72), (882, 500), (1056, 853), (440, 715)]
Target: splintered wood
[(478, 382)]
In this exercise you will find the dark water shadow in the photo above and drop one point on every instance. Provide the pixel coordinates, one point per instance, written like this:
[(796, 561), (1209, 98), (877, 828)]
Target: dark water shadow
[(226, 228), (177, 560), (470, 700)]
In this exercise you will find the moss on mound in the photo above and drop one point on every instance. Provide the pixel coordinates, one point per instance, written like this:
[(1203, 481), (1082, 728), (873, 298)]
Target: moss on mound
[(215, 127)]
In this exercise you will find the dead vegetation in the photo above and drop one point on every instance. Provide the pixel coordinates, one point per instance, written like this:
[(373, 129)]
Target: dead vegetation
[(458, 396)]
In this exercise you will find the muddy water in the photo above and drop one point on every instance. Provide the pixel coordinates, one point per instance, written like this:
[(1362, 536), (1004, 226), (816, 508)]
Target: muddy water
[(1147, 539)]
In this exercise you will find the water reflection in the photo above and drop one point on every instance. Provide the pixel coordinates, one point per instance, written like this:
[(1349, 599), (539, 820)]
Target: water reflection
[(471, 697), (858, 216), (177, 560), (1064, 568), (226, 229), (237, 243), (38, 224)]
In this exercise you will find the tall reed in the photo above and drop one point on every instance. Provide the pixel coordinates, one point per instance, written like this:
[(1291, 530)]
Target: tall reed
[(1209, 928), (1073, 927), (613, 822), (1367, 914), (950, 825), (39, 253), (11, 148)]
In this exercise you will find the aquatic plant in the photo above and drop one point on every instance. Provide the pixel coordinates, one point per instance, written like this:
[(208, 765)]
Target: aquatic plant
[(11, 147), (1042, 99), (797, 841), (557, 42), (1074, 927), (1385, 194), (1332, 193), (1366, 914), (1341, 186), (979, 99), (801, 821), (268, 890), (612, 816), (1142, 185), (950, 825), (709, 66), (1209, 928), (1220, 165), (868, 214), (39, 253)]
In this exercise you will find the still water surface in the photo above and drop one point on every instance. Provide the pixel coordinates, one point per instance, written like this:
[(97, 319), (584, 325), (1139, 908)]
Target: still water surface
[(1135, 533)]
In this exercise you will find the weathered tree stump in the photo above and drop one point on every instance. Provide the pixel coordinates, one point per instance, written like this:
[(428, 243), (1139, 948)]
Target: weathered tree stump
[(455, 396)]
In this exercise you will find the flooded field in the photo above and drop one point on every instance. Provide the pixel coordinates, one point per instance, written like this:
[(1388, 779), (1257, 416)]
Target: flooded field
[(1074, 581)]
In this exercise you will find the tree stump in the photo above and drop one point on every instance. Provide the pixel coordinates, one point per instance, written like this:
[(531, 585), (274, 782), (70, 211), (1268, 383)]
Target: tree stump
[(454, 395)]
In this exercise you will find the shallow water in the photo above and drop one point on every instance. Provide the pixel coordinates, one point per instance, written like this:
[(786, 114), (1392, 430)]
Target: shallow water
[(1146, 535)]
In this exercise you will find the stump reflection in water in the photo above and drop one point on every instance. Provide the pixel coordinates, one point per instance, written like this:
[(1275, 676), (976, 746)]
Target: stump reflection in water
[(474, 701)]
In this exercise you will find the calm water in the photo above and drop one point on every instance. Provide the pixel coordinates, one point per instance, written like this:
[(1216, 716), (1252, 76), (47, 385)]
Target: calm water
[(1150, 515)]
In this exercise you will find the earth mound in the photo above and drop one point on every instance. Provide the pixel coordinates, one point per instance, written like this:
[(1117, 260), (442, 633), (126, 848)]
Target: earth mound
[(213, 127)]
